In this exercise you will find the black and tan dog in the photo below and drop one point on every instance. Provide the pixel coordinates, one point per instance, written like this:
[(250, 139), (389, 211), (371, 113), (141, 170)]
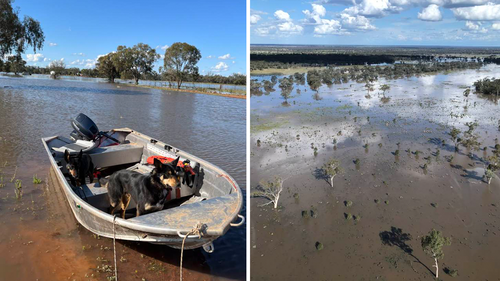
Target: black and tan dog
[(79, 167), (148, 191)]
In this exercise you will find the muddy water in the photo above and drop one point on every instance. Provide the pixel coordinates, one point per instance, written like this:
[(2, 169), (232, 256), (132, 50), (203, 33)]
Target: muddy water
[(39, 237), (397, 200)]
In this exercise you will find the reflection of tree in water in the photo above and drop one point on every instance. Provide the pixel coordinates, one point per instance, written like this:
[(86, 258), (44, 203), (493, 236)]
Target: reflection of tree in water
[(385, 100), (317, 97)]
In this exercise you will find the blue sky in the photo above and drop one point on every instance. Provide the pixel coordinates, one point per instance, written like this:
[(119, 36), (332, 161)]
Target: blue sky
[(376, 22), (80, 31)]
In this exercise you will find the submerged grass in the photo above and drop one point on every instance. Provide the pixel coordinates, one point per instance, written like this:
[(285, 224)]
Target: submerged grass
[(267, 126)]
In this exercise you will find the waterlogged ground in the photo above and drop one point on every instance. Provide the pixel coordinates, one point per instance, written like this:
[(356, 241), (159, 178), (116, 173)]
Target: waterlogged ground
[(39, 237), (396, 199)]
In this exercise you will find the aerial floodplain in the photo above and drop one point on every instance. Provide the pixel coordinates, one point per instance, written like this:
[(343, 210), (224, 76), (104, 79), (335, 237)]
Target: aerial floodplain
[(368, 162)]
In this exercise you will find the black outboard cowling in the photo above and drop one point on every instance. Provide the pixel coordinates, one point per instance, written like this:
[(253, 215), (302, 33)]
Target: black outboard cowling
[(84, 128)]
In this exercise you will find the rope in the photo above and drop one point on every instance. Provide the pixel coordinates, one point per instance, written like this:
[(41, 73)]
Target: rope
[(197, 230), (114, 247)]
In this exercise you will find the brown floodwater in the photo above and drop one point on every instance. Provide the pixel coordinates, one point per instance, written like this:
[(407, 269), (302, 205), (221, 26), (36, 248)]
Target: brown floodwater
[(39, 237), (397, 200)]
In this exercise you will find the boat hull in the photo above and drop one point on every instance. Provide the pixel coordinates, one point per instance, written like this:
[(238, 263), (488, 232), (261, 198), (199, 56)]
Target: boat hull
[(105, 225)]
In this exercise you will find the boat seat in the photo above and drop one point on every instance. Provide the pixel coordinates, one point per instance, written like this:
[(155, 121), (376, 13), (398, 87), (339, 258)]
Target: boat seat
[(75, 147), (116, 155)]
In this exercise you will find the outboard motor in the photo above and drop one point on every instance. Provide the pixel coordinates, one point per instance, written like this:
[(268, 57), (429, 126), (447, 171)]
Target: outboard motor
[(84, 128)]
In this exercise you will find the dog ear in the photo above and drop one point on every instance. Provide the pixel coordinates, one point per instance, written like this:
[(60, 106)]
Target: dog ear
[(174, 163), (80, 154), (66, 156), (158, 164)]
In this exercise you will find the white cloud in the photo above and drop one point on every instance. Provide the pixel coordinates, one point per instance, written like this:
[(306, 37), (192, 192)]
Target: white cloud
[(225, 57), (475, 27), (290, 28), (359, 23), (79, 54), (431, 13), (164, 47), (375, 8), (221, 66), (34, 57), (283, 26), (210, 57), (488, 12), (315, 15), (471, 26), (77, 62), (254, 19), (46, 59), (328, 27), (51, 44), (282, 16), (234, 61), (265, 30), (495, 26)]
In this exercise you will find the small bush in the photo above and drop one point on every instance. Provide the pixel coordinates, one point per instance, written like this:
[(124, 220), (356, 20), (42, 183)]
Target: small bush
[(36, 180)]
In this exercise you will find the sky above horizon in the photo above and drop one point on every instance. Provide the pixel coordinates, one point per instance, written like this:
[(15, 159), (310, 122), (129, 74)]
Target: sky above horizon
[(376, 22), (80, 31)]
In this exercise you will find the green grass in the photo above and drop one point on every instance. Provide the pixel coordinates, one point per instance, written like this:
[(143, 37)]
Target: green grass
[(36, 180), (267, 126), (19, 189)]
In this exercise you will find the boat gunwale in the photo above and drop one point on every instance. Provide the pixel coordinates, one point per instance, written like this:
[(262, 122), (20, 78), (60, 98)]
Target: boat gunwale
[(139, 226)]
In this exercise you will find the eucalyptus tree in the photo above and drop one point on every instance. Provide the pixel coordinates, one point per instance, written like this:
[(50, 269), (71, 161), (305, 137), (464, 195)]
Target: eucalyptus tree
[(384, 88), (180, 60), (106, 67), (332, 168), (432, 244), (16, 35), (454, 133), (286, 86), (56, 68), (270, 190), (369, 88), (135, 61), (314, 79), (17, 64)]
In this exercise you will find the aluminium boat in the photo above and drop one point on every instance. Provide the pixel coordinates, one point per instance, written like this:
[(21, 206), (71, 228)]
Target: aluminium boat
[(212, 200)]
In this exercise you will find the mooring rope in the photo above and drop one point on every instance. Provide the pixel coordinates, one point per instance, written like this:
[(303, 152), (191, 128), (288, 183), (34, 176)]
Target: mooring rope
[(197, 230), (114, 247)]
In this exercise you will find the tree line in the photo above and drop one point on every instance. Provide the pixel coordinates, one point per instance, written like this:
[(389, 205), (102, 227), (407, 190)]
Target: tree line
[(360, 74), (136, 62)]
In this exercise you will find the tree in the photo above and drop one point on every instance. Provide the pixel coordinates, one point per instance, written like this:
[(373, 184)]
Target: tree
[(432, 244), (286, 86), (369, 88), (466, 95), (17, 36), (493, 165), (107, 68), (314, 79), (332, 168), (135, 61), (385, 88), (454, 136), (56, 68), (17, 64), (180, 60), (270, 190)]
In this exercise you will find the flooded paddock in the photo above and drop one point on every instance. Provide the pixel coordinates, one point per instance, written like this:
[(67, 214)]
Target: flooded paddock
[(41, 240), (397, 196)]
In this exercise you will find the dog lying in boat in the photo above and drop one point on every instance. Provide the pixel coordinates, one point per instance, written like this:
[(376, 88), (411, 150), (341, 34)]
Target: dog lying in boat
[(148, 191), (79, 167)]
